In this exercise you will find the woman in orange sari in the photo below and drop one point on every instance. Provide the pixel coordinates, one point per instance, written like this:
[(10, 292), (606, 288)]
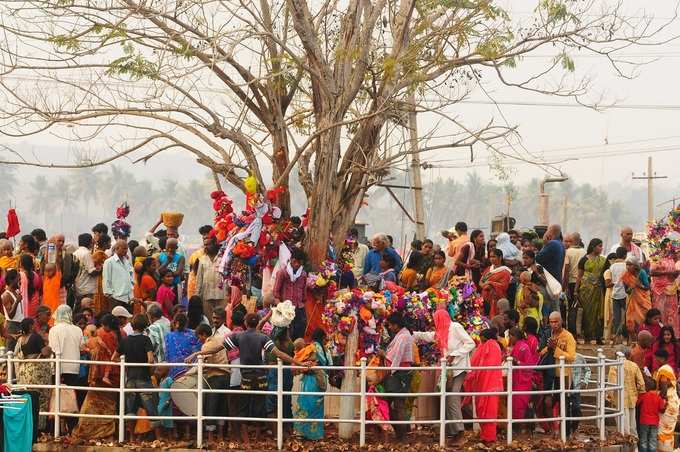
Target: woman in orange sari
[(487, 354), (99, 303), (639, 302), (494, 283), (435, 276), (101, 348)]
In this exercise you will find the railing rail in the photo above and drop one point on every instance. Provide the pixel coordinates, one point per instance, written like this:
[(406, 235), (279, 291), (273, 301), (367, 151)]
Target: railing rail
[(599, 363)]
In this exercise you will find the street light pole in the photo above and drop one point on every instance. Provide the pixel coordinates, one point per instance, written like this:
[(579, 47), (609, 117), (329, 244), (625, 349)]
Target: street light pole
[(544, 199)]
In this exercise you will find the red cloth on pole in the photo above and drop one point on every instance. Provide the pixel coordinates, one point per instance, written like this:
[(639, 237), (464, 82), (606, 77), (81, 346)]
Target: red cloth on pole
[(13, 227)]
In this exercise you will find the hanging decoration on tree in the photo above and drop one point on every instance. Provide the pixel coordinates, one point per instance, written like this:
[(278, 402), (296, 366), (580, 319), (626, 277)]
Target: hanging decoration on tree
[(370, 310), (120, 228), (663, 236)]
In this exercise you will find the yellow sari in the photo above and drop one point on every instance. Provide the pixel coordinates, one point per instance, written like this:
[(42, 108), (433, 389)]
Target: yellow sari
[(669, 418)]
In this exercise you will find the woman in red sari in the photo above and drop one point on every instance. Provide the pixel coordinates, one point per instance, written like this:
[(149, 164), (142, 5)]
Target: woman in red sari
[(487, 354), (494, 283), (101, 348)]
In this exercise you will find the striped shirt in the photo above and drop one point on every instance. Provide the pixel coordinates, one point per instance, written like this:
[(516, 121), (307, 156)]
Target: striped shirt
[(250, 344)]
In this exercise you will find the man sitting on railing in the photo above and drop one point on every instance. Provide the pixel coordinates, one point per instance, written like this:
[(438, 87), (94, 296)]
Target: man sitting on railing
[(251, 343)]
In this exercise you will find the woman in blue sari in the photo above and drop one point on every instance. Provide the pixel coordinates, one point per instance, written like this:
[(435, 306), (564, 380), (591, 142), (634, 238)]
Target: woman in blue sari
[(311, 406), (180, 343)]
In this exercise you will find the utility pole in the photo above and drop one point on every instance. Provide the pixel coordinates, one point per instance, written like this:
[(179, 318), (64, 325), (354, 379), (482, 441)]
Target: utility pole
[(565, 211), (416, 181), (649, 177)]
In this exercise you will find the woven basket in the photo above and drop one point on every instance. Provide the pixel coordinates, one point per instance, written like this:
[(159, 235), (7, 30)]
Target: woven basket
[(250, 304), (172, 219)]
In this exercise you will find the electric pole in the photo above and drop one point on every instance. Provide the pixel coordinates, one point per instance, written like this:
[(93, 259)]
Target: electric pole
[(416, 181), (649, 177)]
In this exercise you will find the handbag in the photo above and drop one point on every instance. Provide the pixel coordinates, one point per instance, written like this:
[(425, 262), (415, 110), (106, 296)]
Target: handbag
[(553, 286), (67, 400)]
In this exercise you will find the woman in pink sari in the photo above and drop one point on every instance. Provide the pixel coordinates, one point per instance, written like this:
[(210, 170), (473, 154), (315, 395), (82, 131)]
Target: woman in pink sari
[(521, 378), (487, 354), (30, 286), (494, 283), (664, 294)]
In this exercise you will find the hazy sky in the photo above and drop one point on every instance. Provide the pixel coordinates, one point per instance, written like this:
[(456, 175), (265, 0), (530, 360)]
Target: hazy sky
[(562, 132)]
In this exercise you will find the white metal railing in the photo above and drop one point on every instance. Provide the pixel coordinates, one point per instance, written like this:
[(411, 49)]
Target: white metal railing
[(599, 363)]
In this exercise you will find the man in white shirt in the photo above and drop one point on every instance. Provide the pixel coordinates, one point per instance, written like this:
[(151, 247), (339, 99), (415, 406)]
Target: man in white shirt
[(118, 277), (219, 318), (64, 339), (208, 279), (631, 248), (572, 256), (612, 278), (359, 252), (459, 345), (86, 278)]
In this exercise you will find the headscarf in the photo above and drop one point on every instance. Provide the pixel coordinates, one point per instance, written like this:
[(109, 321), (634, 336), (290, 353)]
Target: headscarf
[(504, 244), (442, 321), (665, 372), (633, 260), (63, 314)]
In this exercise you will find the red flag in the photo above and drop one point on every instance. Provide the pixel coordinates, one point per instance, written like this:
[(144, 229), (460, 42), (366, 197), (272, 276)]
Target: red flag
[(13, 227)]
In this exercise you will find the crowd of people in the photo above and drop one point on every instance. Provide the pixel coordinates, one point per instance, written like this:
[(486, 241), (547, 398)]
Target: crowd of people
[(156, 302)]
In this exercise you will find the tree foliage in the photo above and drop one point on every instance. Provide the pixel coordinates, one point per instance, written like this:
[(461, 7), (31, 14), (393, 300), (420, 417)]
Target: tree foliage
[(270, 86)]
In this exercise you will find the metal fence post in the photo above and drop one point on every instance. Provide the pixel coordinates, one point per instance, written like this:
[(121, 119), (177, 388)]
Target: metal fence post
[(279, 404), (362, 404), (199, 405), (442, 403), (601, 392), (623, 425), (509, 403), (10, 368), (563, 401), (121, 402), (57, 394)]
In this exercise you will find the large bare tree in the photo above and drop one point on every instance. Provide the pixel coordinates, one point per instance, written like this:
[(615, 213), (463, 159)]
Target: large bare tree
[(322, 87)]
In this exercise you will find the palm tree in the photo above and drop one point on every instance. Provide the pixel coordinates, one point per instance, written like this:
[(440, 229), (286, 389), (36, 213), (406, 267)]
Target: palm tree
[(40, 196), (85, 186), (116, 187)]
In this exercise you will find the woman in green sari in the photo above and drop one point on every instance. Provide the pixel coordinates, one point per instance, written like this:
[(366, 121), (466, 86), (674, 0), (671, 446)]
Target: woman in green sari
[(590, 290), (315, 380)]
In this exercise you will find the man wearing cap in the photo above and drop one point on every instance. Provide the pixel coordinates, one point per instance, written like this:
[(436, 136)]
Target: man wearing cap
[(123, 317), (117, 276)]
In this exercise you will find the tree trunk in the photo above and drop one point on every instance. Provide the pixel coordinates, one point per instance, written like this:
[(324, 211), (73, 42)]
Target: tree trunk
[(280, 162)]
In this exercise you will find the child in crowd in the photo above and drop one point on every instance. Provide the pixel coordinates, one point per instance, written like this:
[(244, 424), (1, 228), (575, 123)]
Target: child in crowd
[(165, 296), (298, 344), (651, 405), (52, 287), (387, 269)]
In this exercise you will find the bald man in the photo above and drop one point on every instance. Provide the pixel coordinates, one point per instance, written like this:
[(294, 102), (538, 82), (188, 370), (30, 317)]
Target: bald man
[(627, 243), (117, 277), (561, 343)]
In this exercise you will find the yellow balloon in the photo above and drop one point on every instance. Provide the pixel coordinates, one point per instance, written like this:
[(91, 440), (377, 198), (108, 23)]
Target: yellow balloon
[(251, 184), (321, 282)]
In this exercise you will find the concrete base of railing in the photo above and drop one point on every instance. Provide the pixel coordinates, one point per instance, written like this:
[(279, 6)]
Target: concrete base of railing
[(56, 447)]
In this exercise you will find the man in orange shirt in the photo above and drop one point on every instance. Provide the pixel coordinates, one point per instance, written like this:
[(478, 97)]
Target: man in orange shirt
[(456, 241)]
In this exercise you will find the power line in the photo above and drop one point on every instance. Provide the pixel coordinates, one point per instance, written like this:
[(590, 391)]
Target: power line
[(517, 103)]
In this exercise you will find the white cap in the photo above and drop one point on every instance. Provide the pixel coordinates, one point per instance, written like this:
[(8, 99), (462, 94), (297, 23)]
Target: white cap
[(120, 311)]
